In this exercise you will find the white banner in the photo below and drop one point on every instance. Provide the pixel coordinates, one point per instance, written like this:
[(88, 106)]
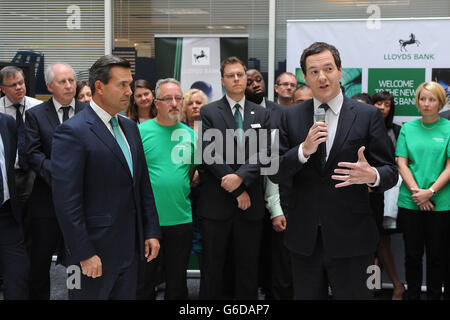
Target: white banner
[(200, 66), (396, 57)]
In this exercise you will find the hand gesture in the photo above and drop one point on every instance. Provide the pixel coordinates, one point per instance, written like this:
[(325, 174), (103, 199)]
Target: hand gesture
[(359, 172), (151, 248), (244, 201), (317, 134), (92, 267), (231, 182), (279, 223)]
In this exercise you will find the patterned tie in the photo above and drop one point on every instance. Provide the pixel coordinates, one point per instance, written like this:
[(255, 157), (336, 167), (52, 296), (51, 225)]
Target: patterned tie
[(238, 120), (121, 141), (323, 145), (65, 113), (20, 137)]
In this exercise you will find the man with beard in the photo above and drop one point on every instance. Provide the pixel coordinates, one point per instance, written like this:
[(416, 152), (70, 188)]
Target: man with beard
[(169, 147), (275, 272)]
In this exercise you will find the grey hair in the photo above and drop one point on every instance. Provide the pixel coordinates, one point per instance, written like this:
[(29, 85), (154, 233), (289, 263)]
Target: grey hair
[(49, 74), (10, 71), (160, 82)]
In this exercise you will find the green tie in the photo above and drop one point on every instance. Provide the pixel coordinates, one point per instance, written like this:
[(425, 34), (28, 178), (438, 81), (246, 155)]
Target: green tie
[(238, 120), (121, 141)]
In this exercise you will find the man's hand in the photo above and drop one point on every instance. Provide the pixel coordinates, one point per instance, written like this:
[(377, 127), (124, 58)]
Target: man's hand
[(359, 172), (151, 248), (317, 134), (244, 201), (92, 267), (231, 182), (420, 196), (279, 223), (195, 179)]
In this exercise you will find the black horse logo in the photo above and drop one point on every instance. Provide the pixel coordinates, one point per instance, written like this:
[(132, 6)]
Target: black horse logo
[(412, 40), (197, 57)]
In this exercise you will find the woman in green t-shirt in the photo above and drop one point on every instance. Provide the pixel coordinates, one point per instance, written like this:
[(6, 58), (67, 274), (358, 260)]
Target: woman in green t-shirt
[(423, 161)]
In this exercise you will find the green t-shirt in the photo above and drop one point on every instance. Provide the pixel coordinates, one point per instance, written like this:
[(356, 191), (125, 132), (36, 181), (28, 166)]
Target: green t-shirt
[(169, 152), (427, 148)]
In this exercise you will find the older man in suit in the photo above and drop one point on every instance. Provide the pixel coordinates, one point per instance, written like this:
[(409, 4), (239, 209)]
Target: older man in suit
[(13, 255), (40, 124), (101, 189), (231, 196), (331, 233)]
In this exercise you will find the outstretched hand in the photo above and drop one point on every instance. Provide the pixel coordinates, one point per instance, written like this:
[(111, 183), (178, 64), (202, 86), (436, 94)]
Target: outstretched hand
[(359, 172)]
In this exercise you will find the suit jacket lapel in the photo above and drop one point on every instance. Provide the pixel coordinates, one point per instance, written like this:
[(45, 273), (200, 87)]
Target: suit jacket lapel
[(249, 115), (345, 122), (52, 115), (225, 111), (4, 135), (102, 132)]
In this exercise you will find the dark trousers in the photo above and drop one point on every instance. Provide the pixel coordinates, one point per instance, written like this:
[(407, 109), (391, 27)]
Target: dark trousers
[(13, 257), (424, 231), (313, 274), (281, 268), (24, 186), (47, 238), (112, 285), (245, 239), (176, 244)]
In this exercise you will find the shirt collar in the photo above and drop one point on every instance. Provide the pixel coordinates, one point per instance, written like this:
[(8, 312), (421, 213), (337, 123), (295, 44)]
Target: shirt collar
[(104, 116), (263, 103), (335, 104), (8, 103), (232, 102), (59, 105)]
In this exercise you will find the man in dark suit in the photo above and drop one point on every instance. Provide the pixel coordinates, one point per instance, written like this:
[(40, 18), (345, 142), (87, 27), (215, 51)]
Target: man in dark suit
[(275, 267), (101, 189), (13, 255), (40, 124), (231, 196), (445, 114), (331, 233)]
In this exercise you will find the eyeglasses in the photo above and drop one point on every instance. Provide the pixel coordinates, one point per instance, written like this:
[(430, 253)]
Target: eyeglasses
[(240, 75), (19, 83), (178, 99), (287, 84)]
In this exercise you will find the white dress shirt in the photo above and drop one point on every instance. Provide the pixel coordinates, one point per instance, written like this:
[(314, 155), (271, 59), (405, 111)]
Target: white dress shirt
[(232, 103), (106, 118), (6, 106), (60, 112)]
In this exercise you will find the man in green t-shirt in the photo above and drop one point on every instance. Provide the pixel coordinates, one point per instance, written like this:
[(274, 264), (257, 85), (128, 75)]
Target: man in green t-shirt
[(169, 150)]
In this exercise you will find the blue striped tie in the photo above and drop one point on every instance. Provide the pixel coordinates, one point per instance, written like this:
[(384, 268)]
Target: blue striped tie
[(122, 144)]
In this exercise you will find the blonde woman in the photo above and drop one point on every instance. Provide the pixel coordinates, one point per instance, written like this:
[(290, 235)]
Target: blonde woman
[(194, 100), (423, 158)]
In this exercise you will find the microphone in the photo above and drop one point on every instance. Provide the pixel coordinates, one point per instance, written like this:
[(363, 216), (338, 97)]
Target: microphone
[(319, 115)]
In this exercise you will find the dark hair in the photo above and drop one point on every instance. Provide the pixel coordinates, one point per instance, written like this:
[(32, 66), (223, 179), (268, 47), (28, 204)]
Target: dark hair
[(132, 110), (9, 71), (231, 60), (80, 85), (316, 48), (363, 97), (382, 96), (100, 69), (300, 87)]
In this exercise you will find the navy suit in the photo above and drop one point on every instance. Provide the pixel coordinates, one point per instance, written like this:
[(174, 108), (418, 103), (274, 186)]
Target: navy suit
[(12, 249), (223, 223), (40, 124), (347, 226), (101, 208)]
